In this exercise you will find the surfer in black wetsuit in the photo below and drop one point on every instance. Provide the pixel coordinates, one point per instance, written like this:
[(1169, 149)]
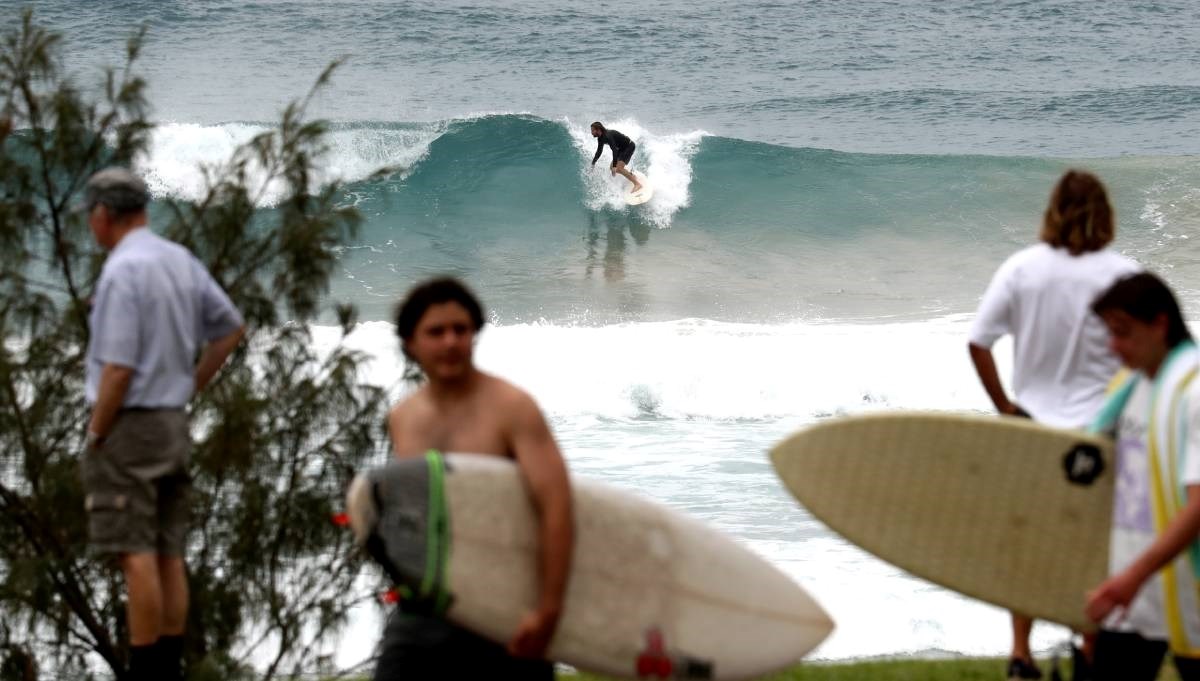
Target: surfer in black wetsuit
[(622, 150)]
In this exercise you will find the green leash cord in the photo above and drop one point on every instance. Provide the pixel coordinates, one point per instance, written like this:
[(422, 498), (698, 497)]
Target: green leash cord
[(437, 545)]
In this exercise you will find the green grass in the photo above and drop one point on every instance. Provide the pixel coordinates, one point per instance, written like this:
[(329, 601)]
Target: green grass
[(881, 670), (974, 669), (902, 670)]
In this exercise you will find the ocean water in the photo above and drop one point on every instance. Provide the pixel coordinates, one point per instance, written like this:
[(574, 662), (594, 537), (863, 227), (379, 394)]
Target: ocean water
[(835, 184)]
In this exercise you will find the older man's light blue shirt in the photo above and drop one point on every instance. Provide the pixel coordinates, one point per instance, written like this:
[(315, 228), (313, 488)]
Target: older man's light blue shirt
[(155, 305)]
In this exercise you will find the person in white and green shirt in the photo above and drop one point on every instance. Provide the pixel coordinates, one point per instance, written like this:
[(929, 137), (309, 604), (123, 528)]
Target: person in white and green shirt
[(1150, 602)]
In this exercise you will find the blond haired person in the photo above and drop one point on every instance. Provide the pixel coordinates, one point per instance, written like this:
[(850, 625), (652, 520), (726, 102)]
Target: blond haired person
[(1041, 296)]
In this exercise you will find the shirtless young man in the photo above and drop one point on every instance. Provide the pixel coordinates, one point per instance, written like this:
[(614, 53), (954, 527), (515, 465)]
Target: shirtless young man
[(462, 409)]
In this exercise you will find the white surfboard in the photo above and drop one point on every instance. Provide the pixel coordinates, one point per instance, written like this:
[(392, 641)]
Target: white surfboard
[(642, 195), (652, 594)]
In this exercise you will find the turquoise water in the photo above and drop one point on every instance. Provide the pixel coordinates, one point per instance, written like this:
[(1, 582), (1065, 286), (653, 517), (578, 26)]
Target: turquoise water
[(835, 184), (737, 231)]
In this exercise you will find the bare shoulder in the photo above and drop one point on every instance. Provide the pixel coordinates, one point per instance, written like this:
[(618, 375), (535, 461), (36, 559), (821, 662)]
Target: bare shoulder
[(525, 426), (508, 397)]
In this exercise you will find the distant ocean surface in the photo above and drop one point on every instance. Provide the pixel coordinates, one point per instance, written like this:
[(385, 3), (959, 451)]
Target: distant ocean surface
[(835, 184)]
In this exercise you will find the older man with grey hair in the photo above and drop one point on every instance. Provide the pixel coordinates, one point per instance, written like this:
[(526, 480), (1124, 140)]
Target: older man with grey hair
[(155, 308)]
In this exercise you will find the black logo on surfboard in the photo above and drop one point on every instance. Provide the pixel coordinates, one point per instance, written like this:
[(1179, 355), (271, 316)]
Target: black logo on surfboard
[(1083, 464)]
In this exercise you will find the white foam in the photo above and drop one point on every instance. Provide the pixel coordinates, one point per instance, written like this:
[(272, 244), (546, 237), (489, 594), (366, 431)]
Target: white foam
[(702, 369), (664, 160), (179, 154)]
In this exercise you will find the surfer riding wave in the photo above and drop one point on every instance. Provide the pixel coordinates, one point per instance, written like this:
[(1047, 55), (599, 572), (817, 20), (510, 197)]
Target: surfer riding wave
[(622, 150)]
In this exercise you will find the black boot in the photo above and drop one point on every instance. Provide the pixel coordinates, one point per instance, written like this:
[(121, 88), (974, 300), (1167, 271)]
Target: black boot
[(170, 658), (1081, 669), (142, 663)]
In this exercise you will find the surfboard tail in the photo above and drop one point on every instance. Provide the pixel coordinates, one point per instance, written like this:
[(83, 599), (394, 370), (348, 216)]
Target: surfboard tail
[(399, 516)]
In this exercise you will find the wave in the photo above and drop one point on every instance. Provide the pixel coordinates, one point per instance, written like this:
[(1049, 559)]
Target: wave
[(179, 154), (759, 231), (499, 156), (454, 156)]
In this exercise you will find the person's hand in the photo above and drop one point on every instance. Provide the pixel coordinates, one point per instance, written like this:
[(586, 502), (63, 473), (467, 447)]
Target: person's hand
[(533, 634), (1115, 592), (94, 441)]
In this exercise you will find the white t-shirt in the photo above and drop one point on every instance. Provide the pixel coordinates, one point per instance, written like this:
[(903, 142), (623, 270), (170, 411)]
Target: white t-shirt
[(1167, 608), (1061, 360)]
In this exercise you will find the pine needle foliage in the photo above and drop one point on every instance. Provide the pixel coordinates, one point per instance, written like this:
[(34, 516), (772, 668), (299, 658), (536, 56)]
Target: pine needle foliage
[(277, 435)]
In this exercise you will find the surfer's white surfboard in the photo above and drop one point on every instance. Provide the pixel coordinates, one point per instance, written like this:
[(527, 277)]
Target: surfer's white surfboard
[(640, 196), (652, 594), (1002, 509)]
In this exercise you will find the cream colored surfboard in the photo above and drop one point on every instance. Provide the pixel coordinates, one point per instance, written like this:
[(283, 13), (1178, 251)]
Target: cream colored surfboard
[(642, 195), (653, 593), (982, 505)]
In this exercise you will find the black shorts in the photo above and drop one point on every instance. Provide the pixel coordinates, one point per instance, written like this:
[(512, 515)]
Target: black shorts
[(418, 647), (1124, 656), (623, 154)]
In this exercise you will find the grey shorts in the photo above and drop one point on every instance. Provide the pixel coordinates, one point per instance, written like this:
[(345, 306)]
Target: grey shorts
[(136, 484)]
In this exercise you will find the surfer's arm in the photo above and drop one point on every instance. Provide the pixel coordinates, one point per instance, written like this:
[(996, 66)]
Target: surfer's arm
[(1120, 589), (985, 367), (599, 149), (545, 475)]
